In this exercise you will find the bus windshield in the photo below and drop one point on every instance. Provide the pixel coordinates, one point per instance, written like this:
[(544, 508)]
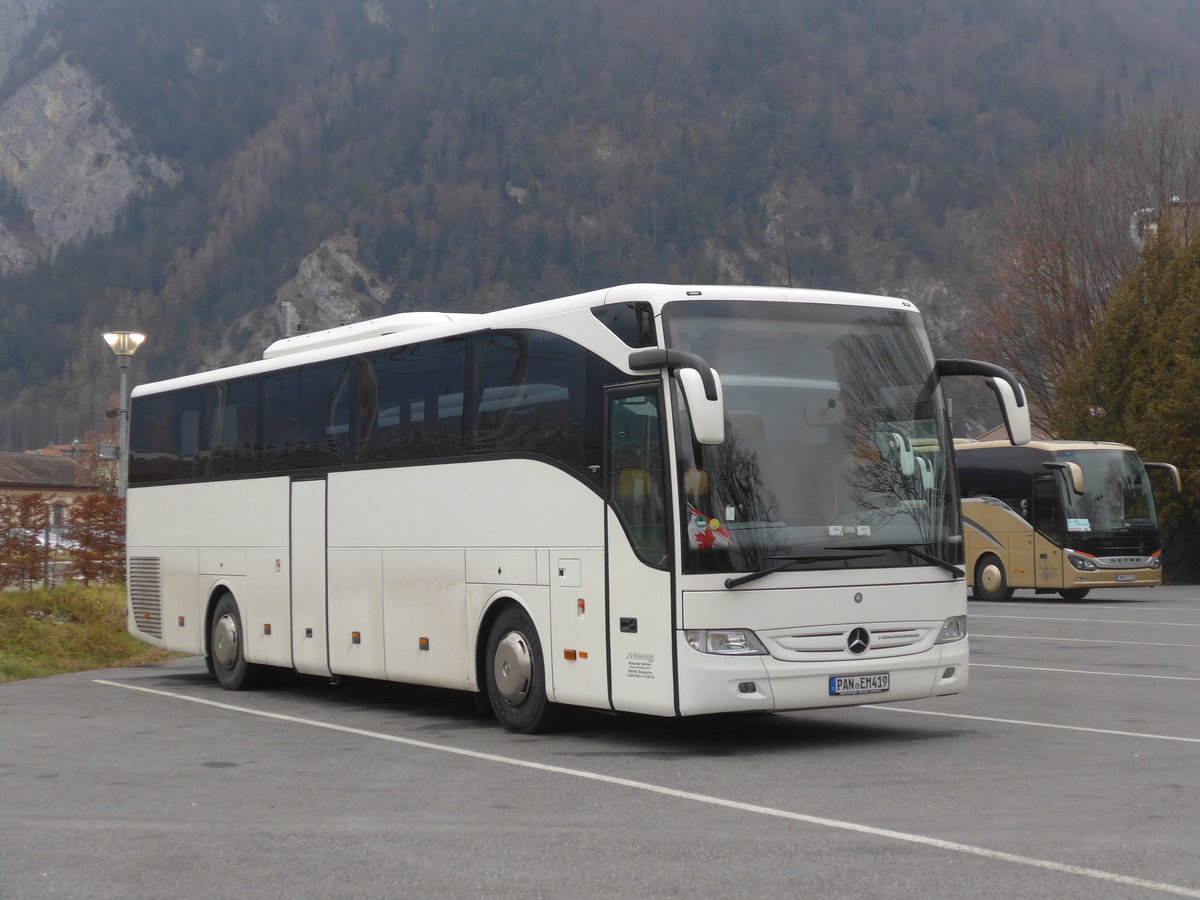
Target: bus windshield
[(1116, 495), (835, 452)]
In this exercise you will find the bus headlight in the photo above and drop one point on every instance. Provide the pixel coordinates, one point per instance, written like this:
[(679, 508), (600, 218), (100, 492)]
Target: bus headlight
[(1155, 562), (1081, 562), (734, 642), (953, 629)]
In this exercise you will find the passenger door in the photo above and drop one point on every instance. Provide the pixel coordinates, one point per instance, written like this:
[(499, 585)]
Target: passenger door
[(641, 605), (1047, 532)]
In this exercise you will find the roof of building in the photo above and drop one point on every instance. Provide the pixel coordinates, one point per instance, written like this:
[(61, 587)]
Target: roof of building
[(1000, 433), (28, 470)]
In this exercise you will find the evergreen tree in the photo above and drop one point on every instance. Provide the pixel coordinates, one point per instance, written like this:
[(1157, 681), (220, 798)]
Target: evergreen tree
[(1138, 381)]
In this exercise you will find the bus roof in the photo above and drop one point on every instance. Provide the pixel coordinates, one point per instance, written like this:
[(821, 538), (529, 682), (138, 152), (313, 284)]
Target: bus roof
[(406, 328)]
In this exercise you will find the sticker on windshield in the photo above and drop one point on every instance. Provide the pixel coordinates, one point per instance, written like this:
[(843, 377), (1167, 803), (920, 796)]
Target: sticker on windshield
[(851, 530), (705, 533), (1079, 525)]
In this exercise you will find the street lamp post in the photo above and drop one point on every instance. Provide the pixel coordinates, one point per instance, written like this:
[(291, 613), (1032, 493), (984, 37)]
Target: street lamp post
[(124, 344)]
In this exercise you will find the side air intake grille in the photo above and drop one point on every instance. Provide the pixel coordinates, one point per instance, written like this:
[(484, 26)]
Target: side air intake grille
[(145, 593)]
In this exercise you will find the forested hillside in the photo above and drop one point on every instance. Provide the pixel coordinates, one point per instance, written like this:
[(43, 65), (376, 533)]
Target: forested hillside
[(481, 155)]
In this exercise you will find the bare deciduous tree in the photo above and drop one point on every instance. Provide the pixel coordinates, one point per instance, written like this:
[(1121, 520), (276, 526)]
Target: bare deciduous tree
[(1071, 233)]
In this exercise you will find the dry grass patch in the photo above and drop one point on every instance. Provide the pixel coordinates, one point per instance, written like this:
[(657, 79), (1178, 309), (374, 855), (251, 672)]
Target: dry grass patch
[(71, 628)]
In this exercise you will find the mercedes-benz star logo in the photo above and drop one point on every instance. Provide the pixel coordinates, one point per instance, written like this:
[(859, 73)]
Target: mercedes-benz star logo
[(858, 641)]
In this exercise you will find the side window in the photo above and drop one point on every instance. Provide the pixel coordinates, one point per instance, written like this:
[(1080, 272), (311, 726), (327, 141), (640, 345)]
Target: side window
[(306, 416), (636, 474), (418, 407), (167, 438), (499, 366), (535, 392), (236, 444), (631, 322)]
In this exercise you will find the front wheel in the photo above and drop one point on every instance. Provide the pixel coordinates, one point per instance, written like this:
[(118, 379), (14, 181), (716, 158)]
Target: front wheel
[(991, 582), (226, 654), (1074, 593), (515, 676)]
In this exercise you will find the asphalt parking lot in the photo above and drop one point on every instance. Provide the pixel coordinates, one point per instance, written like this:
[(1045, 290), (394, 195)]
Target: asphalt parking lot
[(1071, 768)]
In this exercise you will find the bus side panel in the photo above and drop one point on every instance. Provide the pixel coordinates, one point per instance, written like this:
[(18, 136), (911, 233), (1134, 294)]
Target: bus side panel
[(508, 503), (435, 552), (170, 623), (640, 630), (357, 639), (181, 598), (579, 652), (425, 617), (207, 535), (994, 529), (265, 601)]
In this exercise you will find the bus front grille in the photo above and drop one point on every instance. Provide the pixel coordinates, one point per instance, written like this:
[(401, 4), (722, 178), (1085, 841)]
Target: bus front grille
[(1116, 545), (145, 593)]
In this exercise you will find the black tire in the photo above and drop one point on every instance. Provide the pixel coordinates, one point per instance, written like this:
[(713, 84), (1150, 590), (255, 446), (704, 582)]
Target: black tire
[(1074, 594), (226, 653), (991, 581), (515, 676)]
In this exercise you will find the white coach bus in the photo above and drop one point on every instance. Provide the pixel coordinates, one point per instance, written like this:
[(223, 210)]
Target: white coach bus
[(652, 498)]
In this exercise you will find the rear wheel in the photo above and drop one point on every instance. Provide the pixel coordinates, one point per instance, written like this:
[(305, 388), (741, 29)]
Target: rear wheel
[(1074, 593), (991, 581), (516, 679), (225, 648)]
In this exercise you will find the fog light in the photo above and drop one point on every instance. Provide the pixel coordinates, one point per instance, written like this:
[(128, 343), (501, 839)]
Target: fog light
[(747, 687)]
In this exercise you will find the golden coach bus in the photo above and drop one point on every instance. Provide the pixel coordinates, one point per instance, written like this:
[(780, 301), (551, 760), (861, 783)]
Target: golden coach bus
[(1058, 517)]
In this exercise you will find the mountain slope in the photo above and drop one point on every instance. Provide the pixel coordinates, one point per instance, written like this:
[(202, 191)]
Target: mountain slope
[(483, 155)]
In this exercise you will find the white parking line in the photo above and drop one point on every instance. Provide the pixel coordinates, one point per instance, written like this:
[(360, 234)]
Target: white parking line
[(1030, 637), (1110, 731), (1085, 672), (1011, 604), (1088, 621), (938, 843)]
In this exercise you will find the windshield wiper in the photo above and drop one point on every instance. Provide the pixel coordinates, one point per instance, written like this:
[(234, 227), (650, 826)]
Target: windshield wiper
[(920, 554), (796, 560)]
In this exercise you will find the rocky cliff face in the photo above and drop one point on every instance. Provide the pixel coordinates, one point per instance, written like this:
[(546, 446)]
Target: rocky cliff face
[(20, 18), (72, 161), (331, 288)]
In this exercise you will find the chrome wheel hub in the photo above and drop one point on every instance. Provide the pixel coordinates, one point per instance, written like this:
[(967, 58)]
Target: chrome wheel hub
[(225, 641), (513, 668)]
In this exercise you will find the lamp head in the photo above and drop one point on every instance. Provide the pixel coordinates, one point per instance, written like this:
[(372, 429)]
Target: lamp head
[(124, 343)]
